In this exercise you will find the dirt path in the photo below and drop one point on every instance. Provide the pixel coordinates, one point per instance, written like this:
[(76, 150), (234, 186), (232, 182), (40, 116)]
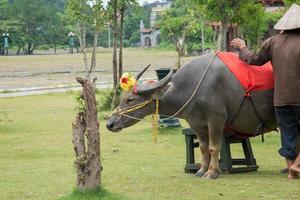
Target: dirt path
[(51, 70)]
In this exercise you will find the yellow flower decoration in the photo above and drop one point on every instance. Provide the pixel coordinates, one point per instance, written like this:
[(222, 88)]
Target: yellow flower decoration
[(127, 81)]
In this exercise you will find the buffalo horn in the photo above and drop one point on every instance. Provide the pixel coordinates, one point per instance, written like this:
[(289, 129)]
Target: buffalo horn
[(150, 88), (142, 72)]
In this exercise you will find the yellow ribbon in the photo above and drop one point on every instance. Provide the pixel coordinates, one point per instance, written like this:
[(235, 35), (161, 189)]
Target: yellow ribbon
[(155, 130)]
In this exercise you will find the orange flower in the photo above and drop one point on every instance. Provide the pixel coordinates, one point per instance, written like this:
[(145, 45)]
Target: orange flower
[(127, 81), (124, 80)]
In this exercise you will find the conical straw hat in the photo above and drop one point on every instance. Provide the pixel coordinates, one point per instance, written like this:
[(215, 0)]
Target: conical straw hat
[(290, 20)]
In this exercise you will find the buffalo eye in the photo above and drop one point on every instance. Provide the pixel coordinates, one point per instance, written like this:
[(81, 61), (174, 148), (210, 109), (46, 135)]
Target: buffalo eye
[(130, 99)]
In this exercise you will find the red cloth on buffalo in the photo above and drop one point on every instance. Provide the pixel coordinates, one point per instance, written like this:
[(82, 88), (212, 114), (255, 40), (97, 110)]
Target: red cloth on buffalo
[(251, 77)]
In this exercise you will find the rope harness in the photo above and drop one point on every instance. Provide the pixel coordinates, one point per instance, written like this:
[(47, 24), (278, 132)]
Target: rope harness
[(260, 130), (123, 112)]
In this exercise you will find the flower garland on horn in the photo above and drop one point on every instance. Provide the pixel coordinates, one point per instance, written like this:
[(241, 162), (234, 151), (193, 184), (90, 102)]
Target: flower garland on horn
[(127, 81)]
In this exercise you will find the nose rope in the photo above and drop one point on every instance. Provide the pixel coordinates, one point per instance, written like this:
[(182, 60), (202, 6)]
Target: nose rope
[(121, 112), (131, 117), (124, 111)]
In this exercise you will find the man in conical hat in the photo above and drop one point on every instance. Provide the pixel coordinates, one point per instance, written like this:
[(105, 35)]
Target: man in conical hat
[(283, 50)]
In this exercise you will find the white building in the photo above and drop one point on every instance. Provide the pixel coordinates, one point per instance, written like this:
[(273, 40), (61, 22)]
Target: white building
[(150, 37)]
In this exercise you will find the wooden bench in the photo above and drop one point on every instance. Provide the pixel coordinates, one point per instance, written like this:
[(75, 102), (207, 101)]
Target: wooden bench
[(227, 163)]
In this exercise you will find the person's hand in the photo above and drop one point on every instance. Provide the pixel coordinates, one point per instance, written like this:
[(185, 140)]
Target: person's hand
[(238, 43)]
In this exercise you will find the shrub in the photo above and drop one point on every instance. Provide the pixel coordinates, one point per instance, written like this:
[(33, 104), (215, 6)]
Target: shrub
[(134, 39), (104, 99), (125, 43)]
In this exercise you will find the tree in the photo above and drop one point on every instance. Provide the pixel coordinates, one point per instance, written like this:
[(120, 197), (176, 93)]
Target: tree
[(256, 22), (55, 30), (4, 21), (116, 11), (224, 12), (271, 19), (227, 12), (113, 13), (178, 23), (288, 3), (124, 5), (134, 14), (32, 23), (32, 18), (86, 136)]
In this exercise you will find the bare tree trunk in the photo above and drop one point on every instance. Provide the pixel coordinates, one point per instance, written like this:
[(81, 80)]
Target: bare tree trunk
[(108, 29), (179, 45), (121, 43), (222, 37), (18, 51), (115, 64), (115, 34), (28, 48), (215, 36), (31, 50), (202, 35), (180, 52), (82, 41), (178, 59), (86, 140), (84, 52), (95, 43)]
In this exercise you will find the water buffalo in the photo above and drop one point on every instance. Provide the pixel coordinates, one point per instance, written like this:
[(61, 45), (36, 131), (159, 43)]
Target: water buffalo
[(213, 106)]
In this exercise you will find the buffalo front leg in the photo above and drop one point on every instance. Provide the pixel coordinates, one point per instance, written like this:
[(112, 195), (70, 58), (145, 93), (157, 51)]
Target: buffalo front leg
[(204, 148), (215, 133)]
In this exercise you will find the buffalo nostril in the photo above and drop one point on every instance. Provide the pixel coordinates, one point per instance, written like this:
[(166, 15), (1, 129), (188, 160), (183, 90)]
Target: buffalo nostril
[(109, 125)]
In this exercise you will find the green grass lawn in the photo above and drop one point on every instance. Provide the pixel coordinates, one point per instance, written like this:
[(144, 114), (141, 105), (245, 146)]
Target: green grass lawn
[(37, 160)]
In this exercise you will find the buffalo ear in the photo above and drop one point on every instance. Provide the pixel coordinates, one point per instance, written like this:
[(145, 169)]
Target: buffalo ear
[(159, 92)]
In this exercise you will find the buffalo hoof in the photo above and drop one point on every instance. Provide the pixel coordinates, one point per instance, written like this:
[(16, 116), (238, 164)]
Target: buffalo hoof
[(200, 172), (211, 174)]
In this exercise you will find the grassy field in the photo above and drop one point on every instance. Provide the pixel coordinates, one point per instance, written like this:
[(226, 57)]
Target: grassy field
[(37, 160)]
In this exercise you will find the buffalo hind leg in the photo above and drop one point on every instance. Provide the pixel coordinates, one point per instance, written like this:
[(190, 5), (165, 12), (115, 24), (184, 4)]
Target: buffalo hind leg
[(204, 148), (215, 133)]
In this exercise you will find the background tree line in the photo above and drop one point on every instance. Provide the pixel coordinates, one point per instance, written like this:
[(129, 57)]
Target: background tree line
[(186, 25), (33, 23), (38, 24)]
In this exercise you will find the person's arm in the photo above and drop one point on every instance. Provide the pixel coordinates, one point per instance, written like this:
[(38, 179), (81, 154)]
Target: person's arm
[(259, 57)]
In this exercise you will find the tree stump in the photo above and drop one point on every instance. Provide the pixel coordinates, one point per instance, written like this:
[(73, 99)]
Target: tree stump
[(86, 140)]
